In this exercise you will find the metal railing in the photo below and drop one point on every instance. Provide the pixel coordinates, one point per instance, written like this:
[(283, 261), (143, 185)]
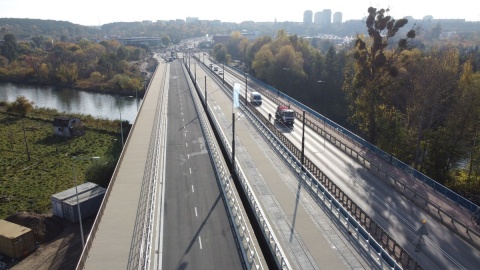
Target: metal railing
[(140, 250), (243, 235)]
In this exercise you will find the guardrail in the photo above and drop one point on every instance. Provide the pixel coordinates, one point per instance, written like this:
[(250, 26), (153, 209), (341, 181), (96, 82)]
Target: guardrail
[(140, 250), (267, 231), (250, 254)]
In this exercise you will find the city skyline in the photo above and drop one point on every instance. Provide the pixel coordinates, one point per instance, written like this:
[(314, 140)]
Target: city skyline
[(89, 12)]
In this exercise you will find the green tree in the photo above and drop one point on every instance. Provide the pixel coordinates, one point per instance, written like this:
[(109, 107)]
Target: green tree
[(253, 48), (9, 47), (220, 53), (333, 75), (434, 86), (263, 64), (165, 40), (100, 173), (234, 45), (465, 117), (21, 106)]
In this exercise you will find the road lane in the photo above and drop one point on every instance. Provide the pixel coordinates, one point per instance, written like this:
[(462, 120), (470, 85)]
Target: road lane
[(309, 238), (197, 234), (398, 216)]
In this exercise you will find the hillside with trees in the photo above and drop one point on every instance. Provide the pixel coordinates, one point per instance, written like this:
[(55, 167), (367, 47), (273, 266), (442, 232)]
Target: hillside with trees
[(106, 66)]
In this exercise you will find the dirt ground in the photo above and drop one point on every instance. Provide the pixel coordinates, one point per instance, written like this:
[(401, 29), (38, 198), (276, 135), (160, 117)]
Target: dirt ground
[(58, 242)]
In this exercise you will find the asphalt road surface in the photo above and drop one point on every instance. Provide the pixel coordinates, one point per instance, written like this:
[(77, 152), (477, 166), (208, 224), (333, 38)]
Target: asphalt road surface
[(196, 231)]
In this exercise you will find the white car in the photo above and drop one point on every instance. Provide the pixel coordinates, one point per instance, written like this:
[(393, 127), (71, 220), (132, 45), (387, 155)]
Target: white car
[(220, 72)]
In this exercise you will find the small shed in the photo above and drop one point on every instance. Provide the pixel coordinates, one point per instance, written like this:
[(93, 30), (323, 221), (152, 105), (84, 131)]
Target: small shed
[(68, 126), (16, 241), (90, 197)]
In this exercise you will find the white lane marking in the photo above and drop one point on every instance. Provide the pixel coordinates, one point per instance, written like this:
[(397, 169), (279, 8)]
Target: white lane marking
[(184, 134), (200, 240), (193, 190), (186, 144), (196, 214), (190, 169), (188, 156)]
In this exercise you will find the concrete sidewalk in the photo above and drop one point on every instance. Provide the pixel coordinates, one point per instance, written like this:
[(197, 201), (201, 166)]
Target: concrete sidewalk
[(112, 239)]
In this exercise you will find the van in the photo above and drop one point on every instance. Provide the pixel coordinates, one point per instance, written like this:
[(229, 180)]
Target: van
[(215, 68), (256, 98)]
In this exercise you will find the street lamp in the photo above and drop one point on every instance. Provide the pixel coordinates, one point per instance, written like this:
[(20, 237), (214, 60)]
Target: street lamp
[(121, 123), (289, 82), (246, 86), (324, 107), (76, 193)]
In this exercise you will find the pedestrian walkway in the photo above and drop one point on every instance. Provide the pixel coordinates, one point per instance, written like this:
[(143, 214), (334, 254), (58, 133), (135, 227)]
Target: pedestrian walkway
[(110, 240)]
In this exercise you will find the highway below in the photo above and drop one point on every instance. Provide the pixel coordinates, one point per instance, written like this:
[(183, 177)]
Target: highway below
[(441, 248), (309, 236)]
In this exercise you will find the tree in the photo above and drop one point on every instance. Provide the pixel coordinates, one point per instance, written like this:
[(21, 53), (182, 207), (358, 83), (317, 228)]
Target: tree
[(220, 52), (263, 63), (9, 47), (100, 173), (436, 31), (289, 66), (434, 86), (465, 119), (376, 62), (165, 40), (68, 73), (234, 45), (21, 106)]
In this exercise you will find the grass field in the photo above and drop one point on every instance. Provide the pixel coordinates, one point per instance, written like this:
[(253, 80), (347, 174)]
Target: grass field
[(35, 163)]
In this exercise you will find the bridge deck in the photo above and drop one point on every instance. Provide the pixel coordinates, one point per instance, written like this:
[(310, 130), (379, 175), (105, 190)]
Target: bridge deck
[(113, 236)]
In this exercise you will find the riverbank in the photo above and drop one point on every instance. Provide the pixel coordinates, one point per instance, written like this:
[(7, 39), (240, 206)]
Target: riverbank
[(36, 164)]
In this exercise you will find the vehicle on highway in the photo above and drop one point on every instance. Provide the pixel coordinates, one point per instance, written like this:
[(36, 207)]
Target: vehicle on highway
[(285, 115), (256, 98), (220, 72), (215, 68), (210, 65)]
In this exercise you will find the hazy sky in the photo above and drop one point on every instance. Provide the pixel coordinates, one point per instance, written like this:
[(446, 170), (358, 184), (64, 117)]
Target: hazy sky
[(97, 12)]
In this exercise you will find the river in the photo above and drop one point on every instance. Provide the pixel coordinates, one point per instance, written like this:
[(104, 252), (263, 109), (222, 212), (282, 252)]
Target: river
[(68, 100)]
